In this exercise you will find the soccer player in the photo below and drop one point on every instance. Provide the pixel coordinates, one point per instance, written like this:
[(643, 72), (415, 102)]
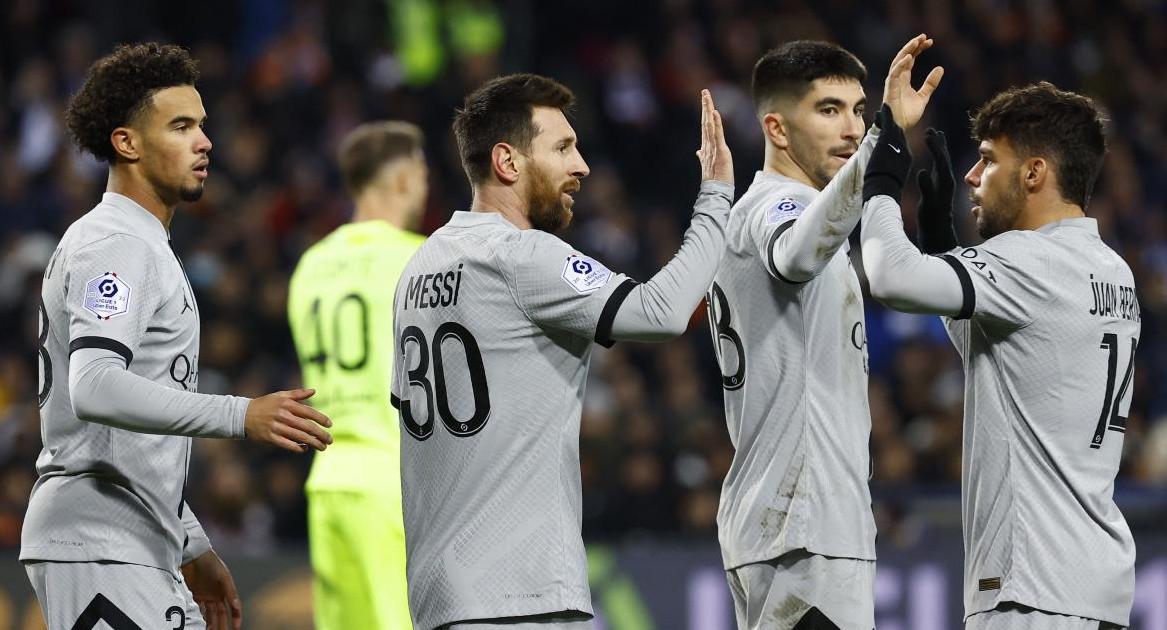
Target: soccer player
[(108, 535), (494, 321), (340, 305), (786, 311), (1045, 317)]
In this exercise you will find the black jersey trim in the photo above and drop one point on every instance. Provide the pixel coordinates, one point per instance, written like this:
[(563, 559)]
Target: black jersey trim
[(104, 343), (770, 253), (395, 401), (966, 287), (608, 315)]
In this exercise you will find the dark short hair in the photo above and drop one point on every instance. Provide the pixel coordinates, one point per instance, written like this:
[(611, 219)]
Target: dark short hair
[(118, 88), (788, 70), (1040, 120), (370, 146), (501, 111)]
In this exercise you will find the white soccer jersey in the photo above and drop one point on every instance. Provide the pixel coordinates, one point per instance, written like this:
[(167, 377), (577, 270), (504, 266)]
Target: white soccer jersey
[(1048, 352), (794, 373), (494, 328), (104, 493)]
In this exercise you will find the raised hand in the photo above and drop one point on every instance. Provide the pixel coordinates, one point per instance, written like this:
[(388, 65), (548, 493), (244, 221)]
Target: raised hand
[(907, 104), (282, 420), (934, 231), (716, 161)]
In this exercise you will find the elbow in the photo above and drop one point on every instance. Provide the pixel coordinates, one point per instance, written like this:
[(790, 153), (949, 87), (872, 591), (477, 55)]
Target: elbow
[(890, 293), (85, 404)]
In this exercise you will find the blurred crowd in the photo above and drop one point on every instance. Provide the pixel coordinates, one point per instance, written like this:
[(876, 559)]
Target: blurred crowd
[(284, 80)]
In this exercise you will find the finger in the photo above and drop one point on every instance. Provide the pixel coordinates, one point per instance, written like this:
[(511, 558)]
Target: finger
[(924, 183), (307, 426), (909, 48), (311, 413), (224, 615), (286, 444), (301, 394), (300, 435), (719, 129), (931, 82), (236, 612)]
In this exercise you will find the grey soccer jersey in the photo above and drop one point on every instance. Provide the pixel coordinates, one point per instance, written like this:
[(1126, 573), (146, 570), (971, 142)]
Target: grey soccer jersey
[(1049, 358), (794, 364), (494, 328), (106, 493)]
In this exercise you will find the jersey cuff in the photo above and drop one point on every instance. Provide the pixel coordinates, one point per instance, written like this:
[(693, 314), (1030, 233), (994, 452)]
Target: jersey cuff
[(608, 315), (966, 287), (769, 249), (103, 343)]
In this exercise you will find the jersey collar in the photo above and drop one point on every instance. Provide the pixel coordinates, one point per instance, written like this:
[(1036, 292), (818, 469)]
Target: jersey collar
[(1080, 223), (133, 211)]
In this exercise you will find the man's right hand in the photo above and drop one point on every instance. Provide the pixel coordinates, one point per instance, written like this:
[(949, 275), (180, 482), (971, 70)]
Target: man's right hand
[(282, 420), (716, 161)]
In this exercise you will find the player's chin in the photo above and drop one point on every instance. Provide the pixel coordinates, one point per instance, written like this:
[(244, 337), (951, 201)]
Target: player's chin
[(191, 194)]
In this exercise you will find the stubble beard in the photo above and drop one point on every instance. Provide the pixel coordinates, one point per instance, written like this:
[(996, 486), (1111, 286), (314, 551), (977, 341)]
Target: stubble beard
[(1002, 214)]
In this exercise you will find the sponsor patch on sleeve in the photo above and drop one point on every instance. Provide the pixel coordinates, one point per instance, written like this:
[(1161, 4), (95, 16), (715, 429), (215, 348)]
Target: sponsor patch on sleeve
[(107, 296), (585, 274), (784, 210)]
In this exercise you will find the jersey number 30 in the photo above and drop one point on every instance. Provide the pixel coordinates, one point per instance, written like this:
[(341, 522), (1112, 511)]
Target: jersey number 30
[(412, 342)]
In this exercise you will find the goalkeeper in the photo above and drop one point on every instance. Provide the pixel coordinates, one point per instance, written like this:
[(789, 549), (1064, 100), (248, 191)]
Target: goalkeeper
[(340, 307)]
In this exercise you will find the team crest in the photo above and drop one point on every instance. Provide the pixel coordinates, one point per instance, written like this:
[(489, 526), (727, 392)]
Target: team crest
[(107, 296), (585, 274), (784, 210)]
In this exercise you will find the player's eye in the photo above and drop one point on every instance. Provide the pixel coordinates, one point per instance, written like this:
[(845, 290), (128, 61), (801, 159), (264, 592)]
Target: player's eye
[(829, 111), (860, 111)]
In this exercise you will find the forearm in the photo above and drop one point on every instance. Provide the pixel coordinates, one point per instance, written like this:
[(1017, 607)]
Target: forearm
[(899, 275), (103, 391), (660, 308), (197, 542), (804, 250)]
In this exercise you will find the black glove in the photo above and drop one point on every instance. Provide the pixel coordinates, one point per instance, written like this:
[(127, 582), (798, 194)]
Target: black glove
[(890, 162), (934, 231)]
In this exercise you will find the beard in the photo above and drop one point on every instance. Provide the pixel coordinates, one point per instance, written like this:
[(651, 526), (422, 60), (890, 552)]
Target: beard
[(998, 216), (545, 206), (190, 194)]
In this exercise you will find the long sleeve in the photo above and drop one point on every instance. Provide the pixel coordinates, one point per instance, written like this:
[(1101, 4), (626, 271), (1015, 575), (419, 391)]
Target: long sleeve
[(197, 542), (900, 276), (102, 390), (804, 249), (660, 308)]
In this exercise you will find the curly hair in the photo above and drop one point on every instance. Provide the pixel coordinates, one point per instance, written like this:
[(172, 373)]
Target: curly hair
[(500, 110), (119, 86), (1040, 120)]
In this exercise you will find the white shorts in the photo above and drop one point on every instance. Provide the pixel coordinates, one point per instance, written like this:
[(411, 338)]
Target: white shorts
[(1018, 617), (124, 596), (523, 623), (775, 595)]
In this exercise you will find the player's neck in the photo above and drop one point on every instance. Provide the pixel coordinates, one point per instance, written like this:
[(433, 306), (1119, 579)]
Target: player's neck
[(141, 193), (780, 162), (501, 200), (390, 210), (1042, 212)]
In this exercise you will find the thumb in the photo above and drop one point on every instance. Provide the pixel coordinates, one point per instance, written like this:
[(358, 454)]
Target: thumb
[(925, 184)]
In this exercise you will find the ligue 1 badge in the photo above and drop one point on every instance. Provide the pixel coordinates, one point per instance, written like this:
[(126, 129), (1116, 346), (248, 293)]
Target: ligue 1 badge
[(107, 296), (585, 274), (787, 208)]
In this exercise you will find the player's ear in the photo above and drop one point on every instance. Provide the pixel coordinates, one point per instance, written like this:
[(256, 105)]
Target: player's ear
[(774, 126), (1034, 174), (505, 160), (125, 143)]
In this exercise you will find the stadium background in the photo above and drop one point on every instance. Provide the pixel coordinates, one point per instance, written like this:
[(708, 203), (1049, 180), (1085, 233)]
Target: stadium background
[(283, 80)]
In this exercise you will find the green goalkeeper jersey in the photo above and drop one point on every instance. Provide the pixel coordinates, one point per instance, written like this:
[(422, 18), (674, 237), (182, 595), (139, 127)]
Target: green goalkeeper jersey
[(340, 308)]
